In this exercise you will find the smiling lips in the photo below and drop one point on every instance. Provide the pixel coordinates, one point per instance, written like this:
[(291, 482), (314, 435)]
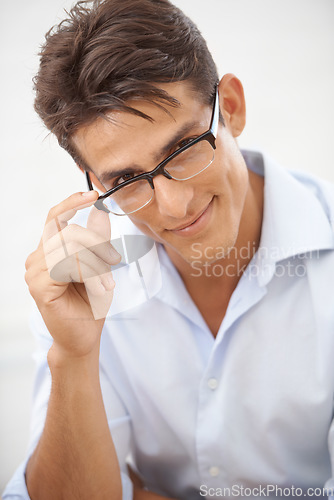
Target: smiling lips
[(196, 223)]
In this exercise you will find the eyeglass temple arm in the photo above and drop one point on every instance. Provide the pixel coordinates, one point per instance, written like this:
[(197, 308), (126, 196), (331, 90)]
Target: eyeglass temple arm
[(99, 203), (89, 182), (215, 117)]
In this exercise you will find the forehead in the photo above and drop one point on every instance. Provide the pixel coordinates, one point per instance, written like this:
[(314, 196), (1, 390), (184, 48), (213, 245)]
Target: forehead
[(113, 142)]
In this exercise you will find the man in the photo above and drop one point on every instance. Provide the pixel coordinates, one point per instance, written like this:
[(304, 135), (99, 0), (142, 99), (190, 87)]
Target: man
[(221, 384)]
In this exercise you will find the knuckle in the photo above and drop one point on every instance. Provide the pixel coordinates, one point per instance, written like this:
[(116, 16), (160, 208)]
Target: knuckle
[(105, 268), (52, 212), (70, 231), (27, 263), (47, 246), (72, 247), (33, 288), (30, 259), (27, 277), (72, 228)]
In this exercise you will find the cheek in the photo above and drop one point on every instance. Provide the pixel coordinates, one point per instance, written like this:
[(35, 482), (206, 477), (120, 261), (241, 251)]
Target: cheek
[(231, 172), (146, 227)]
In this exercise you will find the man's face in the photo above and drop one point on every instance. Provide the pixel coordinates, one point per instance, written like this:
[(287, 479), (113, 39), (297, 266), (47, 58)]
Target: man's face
[(206, 209)]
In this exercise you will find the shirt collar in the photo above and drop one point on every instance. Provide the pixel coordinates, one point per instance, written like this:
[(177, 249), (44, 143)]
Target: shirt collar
[(294, 220), (294, 223)]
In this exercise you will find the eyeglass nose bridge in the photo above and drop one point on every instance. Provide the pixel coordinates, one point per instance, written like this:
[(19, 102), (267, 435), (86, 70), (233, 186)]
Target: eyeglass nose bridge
[(160, 170)]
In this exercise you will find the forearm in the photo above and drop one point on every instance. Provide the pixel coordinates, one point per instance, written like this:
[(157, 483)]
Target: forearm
[(75, 458)]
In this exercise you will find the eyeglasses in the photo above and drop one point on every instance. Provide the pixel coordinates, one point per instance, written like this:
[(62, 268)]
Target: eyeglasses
[(184, 164)]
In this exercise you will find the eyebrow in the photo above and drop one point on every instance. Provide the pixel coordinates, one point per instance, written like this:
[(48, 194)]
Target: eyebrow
[(180, 134)]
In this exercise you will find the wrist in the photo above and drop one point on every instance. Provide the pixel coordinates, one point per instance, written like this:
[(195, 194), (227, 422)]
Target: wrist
[(62, 359)]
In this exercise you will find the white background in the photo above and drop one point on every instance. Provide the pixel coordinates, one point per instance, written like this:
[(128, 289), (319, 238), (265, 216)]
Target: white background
[(282, 51)]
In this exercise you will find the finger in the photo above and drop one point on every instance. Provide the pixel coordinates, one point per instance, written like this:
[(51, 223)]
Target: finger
[(136, 481), (99, 285), (35, 257), (94, 286), (43, 289), (99, 222), (99, 300), (108, 281), (59, 267), (74, 238), (72, 270), (35, 264), (99, 289), (60, 214), (76, 267), (35, 270)]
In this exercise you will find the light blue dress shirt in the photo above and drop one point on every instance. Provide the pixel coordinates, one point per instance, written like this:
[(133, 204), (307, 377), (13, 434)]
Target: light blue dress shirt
[(252, 408)]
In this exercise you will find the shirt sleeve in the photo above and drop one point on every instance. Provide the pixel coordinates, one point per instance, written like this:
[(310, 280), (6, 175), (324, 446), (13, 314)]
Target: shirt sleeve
[(329, 486), (118, 417)]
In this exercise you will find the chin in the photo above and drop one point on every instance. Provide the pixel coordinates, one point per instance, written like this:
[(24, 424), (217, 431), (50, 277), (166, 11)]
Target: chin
[(202, 254)]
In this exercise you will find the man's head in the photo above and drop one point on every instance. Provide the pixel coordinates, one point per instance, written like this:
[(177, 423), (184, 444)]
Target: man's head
[(127, 146), (117, 83), (110, 52)]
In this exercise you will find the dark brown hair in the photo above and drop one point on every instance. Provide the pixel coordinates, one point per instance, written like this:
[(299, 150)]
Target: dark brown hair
[(110, 51)]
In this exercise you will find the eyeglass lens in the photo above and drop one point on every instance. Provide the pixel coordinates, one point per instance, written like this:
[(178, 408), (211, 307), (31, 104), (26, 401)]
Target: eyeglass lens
[(184, 166)]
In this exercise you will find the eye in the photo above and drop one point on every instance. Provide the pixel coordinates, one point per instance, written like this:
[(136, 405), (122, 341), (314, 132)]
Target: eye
[(120, 180), (125, 177), (184, 142)]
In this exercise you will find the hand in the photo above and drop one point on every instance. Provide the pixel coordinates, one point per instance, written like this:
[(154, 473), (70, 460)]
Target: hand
[(139, 492), (69, 275)]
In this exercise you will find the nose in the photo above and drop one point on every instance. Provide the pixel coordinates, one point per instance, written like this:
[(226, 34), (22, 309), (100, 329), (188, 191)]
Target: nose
[(172, 197)]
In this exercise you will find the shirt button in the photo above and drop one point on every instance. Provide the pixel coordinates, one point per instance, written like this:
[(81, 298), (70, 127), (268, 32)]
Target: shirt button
[(212, 383), (214, 471)]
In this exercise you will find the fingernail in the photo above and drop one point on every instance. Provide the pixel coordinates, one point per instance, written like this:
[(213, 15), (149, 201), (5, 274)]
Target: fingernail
[(109, 282), (115, 255), (88, 194)]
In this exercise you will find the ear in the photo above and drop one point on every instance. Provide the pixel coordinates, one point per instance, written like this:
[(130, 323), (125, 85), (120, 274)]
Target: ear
[(93, 179), (232, 103)]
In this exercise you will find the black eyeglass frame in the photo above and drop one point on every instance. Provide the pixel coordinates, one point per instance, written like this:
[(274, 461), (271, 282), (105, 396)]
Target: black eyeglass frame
[(210, 136)]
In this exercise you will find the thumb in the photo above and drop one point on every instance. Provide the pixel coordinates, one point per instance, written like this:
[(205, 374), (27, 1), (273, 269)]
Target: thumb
[(98, 221)]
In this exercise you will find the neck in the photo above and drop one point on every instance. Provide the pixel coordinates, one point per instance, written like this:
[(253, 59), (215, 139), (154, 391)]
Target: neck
[(212, 284)]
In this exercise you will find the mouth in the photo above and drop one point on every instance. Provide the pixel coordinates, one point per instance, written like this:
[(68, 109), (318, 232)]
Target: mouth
[(196, 223)]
